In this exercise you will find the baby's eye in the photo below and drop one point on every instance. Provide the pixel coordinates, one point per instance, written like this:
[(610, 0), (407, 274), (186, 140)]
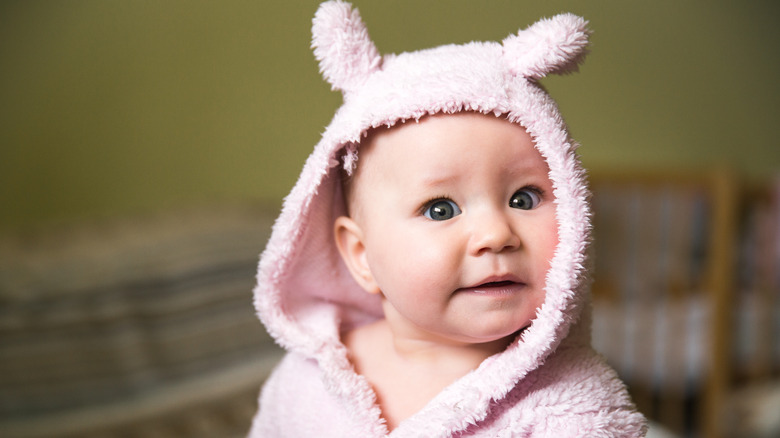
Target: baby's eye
[(441, 210), (525, 199)]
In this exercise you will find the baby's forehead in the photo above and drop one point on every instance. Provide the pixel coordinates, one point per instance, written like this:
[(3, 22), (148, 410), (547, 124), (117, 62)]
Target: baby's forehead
[(439, 147), (439, 132)]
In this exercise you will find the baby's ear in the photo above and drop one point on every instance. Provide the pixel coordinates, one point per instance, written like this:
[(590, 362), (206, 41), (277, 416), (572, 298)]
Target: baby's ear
[(552, 45), (349, 241), (346, 54)]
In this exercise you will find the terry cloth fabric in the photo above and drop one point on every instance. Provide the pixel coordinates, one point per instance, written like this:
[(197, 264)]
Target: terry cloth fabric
[(549, 381)]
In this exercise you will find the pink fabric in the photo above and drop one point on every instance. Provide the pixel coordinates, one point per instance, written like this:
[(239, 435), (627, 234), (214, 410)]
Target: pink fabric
[(305, 296), (573, 395)]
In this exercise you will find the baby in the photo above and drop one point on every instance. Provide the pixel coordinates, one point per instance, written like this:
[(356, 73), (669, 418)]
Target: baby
[(452, 224), (426, 272)]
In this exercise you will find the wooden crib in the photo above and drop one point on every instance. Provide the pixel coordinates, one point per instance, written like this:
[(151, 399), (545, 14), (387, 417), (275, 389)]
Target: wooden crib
[(671, 302)]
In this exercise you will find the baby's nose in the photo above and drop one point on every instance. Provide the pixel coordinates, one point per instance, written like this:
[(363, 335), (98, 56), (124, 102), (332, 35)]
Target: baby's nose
[(494, 233)]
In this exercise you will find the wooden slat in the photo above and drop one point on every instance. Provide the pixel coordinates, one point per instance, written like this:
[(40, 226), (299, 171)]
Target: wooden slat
[(721, 285)]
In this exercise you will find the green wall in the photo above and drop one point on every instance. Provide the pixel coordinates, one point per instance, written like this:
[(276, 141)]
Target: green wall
[(116, 107)]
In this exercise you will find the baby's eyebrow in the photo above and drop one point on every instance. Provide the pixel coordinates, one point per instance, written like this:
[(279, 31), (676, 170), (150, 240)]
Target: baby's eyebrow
[(433, 181), (529, 168)]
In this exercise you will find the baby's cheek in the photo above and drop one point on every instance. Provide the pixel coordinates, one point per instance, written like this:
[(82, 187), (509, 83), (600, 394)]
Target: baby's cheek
[(548, 238), (546, 244), (549, 248), (437, 265), (417, 276), (428, 275)]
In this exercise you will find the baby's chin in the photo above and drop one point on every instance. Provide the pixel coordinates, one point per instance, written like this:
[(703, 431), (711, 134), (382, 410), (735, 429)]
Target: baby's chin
[(498, 339)]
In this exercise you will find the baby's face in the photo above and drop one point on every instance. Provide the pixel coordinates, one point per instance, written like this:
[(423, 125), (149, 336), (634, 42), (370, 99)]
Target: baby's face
[(457, 221)]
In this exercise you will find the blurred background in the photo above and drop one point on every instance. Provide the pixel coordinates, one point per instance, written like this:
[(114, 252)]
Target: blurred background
[(145, 148)]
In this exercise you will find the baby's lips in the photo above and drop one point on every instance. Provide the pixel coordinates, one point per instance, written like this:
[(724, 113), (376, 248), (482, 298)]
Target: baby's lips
[(498, 280)]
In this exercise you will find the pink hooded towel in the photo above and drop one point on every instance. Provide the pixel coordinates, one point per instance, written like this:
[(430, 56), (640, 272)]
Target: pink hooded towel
[(548, 382)]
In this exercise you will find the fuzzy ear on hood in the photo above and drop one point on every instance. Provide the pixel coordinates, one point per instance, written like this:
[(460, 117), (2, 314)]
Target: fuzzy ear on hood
[(346, 54), (552, 45)]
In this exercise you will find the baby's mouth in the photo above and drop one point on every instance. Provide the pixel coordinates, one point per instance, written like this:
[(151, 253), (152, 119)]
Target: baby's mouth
[(494, 284), (501, 286), (498, 287)]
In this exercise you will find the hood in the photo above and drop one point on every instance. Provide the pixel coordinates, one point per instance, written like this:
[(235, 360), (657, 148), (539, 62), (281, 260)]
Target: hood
[(305, 295)]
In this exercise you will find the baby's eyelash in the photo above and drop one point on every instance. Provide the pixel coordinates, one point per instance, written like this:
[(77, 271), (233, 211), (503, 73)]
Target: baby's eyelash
[(535, 189)]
